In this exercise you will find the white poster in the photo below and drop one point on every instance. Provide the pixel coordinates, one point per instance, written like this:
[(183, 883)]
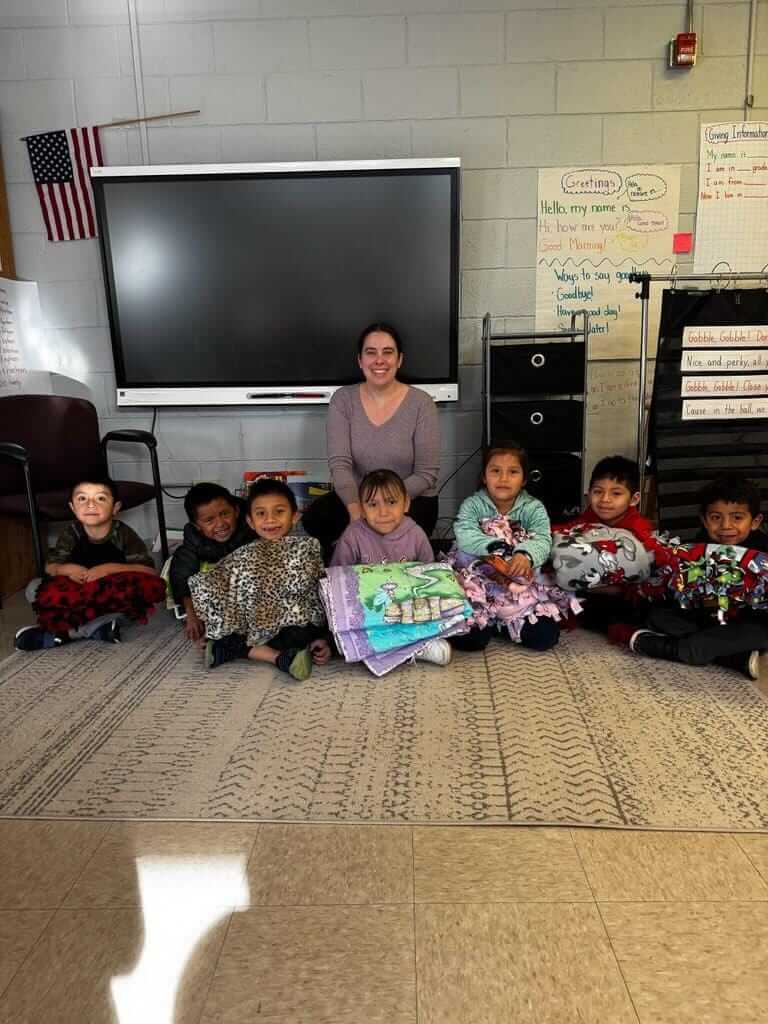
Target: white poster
[(20, 333), (721, 337), (738, 385), (725, 409), (596, 226), (724, 360), (732, 211)]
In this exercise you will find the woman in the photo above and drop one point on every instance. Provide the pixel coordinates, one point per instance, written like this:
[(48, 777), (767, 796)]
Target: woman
[(379, 424)]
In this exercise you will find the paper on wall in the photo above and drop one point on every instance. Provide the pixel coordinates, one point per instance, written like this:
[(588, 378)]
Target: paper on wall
[(595, 226), (21, 335), (732, 211)]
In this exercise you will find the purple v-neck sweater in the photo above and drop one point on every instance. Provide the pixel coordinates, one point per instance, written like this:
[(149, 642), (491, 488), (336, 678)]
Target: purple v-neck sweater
[(408, 443)]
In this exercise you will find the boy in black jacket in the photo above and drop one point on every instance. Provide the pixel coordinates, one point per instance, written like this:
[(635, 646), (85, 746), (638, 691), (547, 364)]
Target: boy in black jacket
[(216, 528), (730, 515)]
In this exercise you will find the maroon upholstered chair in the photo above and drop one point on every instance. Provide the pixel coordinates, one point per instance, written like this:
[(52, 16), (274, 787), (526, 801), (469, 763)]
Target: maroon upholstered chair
[(47, 444)]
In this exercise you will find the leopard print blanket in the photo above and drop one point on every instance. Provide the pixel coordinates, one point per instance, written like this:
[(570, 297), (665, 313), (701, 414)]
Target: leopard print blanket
[(260, 589)]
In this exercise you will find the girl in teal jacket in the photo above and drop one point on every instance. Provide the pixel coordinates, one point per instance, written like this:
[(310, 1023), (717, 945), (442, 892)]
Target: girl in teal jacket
[(502, 519)]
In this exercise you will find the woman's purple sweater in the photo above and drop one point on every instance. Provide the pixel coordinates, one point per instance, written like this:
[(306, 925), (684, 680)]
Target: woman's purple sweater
[(408, 443)]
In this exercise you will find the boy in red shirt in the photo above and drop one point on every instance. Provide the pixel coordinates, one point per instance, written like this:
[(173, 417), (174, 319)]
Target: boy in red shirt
[(614, 494)]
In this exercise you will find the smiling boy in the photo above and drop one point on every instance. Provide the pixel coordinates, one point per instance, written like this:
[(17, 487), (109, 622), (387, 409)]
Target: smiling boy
[(730, 515), (614, 494), (98, 573), (216, 527)]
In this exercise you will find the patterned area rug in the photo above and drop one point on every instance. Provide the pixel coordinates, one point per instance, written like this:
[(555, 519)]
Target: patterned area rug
[(583, 735)]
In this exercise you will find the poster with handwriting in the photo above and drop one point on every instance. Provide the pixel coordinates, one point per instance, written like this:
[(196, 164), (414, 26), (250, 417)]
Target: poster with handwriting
[(20, 333), (726, 409), (595, 226), (719, 336), (740, 385), (612, 409), (732, 211)]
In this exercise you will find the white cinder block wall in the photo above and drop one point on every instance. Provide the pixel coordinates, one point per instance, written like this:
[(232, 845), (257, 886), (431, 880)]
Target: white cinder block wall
[(507, 85)]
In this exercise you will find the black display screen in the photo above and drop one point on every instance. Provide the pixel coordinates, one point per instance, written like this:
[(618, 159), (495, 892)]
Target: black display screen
[(267, 279)]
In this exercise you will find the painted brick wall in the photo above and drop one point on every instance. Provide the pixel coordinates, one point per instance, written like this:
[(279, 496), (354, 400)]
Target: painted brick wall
[(507, 85)]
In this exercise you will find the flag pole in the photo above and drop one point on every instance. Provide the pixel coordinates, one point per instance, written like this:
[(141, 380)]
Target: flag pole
[(129, 120)]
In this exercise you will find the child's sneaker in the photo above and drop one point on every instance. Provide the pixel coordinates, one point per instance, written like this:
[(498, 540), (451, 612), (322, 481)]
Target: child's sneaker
[(109, 633), (297, 663), (653, 645), (437, 652), (33, 638), (748, 663), (229, 648)]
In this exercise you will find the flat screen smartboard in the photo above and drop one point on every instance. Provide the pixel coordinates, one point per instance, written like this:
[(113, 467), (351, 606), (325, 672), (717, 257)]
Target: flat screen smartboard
[(231, 284)]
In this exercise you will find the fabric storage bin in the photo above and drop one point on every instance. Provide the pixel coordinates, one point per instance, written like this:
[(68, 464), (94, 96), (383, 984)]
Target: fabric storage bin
[(545, 425), (555, 479), (554, 369)]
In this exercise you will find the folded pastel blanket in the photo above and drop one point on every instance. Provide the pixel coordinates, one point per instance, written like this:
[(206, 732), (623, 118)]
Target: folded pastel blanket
[(384, 614), (722, 577)]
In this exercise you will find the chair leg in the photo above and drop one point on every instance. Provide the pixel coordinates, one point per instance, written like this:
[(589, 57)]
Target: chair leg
[(159, 503), (35, 522)]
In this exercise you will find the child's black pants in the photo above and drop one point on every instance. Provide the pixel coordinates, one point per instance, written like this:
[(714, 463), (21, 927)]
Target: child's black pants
[(700, 640)]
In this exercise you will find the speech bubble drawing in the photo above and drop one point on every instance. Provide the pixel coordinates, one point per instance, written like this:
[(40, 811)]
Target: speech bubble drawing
[(642, 187), (647, 220), (631, 243), (592, 180)]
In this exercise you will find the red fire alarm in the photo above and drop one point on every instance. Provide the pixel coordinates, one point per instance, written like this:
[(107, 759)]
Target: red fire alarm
[(682, 50)]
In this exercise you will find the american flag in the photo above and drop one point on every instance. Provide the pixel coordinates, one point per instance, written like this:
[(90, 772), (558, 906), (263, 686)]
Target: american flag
[(60, 162)]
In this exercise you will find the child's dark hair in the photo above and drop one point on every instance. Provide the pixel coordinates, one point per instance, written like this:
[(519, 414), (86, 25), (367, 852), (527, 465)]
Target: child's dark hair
[(99, 480), (733, 488), (202, 494), (384, 329), (267, 485), (618, 468), (384, 480), (505, 448)]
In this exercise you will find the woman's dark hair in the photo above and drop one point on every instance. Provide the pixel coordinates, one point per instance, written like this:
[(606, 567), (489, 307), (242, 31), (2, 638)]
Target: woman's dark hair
[(505, 448), (202, 494), (385, 329), (266, 485), (384, 480)]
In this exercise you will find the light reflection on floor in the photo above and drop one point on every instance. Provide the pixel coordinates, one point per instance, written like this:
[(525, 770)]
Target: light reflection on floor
[(182, 898)]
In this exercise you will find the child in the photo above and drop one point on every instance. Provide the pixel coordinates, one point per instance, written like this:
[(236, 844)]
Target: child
[(261, 602), (385, 533), (614, 494), (503, 518), (613, 497), (730, 515), (98, 570), (216, 528)]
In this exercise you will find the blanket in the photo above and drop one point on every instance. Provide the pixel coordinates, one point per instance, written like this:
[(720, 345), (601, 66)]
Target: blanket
[(593, 555), (497, 599), (260, 589), (724, 578), (383, 615)]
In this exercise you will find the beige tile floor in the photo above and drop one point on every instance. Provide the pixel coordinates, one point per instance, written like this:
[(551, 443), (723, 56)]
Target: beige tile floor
[(159, 923), (198, 923)]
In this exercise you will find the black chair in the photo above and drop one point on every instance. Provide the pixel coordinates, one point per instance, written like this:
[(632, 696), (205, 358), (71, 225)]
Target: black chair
[(48, 443)]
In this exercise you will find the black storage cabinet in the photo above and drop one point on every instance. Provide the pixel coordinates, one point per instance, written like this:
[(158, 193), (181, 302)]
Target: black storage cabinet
[(535, 394)]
